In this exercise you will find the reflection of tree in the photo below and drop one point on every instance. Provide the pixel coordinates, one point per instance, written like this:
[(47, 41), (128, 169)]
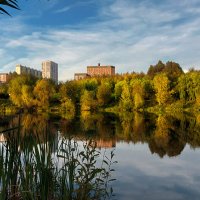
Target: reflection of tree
[(166, 135), (126, 123), (188, 128), (34, 172), (165, 139), (33, 125), (192, 129), (101, 128), (88, 120), (139, 127)]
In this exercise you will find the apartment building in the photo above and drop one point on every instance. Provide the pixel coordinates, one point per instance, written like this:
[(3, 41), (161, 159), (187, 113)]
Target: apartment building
[(20, 69), (106, 70), (50, 70), (3, 77), (79, 76), (99, 70)]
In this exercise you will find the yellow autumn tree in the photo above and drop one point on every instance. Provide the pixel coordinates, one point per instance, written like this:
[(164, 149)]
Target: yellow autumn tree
[(43, 92), (161, 86)]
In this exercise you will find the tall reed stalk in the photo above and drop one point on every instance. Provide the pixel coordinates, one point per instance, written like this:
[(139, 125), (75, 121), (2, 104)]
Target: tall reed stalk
[(31, 169)]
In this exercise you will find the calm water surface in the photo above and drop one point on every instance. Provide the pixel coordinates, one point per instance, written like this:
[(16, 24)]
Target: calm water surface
[(158, 156)]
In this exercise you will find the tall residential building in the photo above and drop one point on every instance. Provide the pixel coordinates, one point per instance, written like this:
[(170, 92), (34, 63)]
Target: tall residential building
[(27, 70), (50, 70), (3, 77), (99, 70)]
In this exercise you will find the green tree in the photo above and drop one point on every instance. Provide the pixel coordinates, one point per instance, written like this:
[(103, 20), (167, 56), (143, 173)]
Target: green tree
[(91, 84), (71, 90), (126, 100), (173, 70), (138, 92), (43, 92), (4, 91), (189, 86), (27, 96), (118, 89), (17, 89), (104, 94), (158, 68), (88, 101)]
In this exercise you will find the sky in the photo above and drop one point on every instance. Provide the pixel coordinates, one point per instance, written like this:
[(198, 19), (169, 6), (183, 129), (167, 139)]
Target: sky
[(129, 34)]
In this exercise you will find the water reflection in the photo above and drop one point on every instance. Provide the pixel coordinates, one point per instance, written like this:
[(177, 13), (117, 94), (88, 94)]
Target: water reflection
[(150, 149), (165, 135), (38, 164)]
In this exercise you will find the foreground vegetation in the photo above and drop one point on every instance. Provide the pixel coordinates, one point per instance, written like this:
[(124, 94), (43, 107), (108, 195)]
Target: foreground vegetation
[(37, 167), (165, 88)]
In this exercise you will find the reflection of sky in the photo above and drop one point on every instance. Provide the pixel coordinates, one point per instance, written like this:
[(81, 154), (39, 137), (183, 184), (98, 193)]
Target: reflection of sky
[(141, 175)]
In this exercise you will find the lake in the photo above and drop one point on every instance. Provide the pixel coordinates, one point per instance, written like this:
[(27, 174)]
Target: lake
[(158, 157)]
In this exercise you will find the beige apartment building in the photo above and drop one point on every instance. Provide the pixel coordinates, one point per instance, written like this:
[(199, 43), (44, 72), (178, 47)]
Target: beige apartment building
[(79, 76), (27, 70), (50, 70), (3, 77)]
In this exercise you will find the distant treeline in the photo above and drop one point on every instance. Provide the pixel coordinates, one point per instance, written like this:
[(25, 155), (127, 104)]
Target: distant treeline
[(165, 86)]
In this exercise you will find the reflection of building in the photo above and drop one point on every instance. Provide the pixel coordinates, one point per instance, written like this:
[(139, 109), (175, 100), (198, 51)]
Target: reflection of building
[(105, 143), (101, 70), (27, 70), (3, 77), (50, 70), (78, 76)]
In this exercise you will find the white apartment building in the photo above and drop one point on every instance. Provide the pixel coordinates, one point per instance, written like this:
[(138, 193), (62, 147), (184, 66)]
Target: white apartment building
[(50, 70), (27, 70)]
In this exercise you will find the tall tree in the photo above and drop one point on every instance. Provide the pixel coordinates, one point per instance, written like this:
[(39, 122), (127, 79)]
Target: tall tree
[(158, 68), (126, 100), (44, 91), (104, 94), (161, 85), (88, 101)]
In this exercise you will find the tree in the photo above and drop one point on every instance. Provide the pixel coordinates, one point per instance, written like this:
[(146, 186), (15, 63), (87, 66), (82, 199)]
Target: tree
[(68, 109), (118, 90), (27, 96), (161, 85), (189, 86), (138, 92), (126, 101), (44, 91), (15, 89), (20, 90), (88, 101), (4, 91), (90, 84), (173, 70), (104, 94), (71, 90), (153, 70)]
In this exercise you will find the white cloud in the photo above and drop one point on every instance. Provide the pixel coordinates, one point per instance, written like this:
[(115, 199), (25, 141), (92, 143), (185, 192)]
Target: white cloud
[(129, 36), (63, 9)]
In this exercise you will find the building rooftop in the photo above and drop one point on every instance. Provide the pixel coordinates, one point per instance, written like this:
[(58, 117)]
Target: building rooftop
[(102, 66)]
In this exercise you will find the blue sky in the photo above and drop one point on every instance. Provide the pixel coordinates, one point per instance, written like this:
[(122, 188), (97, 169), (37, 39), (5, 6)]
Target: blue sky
[(130, 34)]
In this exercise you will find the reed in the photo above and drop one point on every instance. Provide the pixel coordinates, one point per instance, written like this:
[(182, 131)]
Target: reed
[(42, 170)]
